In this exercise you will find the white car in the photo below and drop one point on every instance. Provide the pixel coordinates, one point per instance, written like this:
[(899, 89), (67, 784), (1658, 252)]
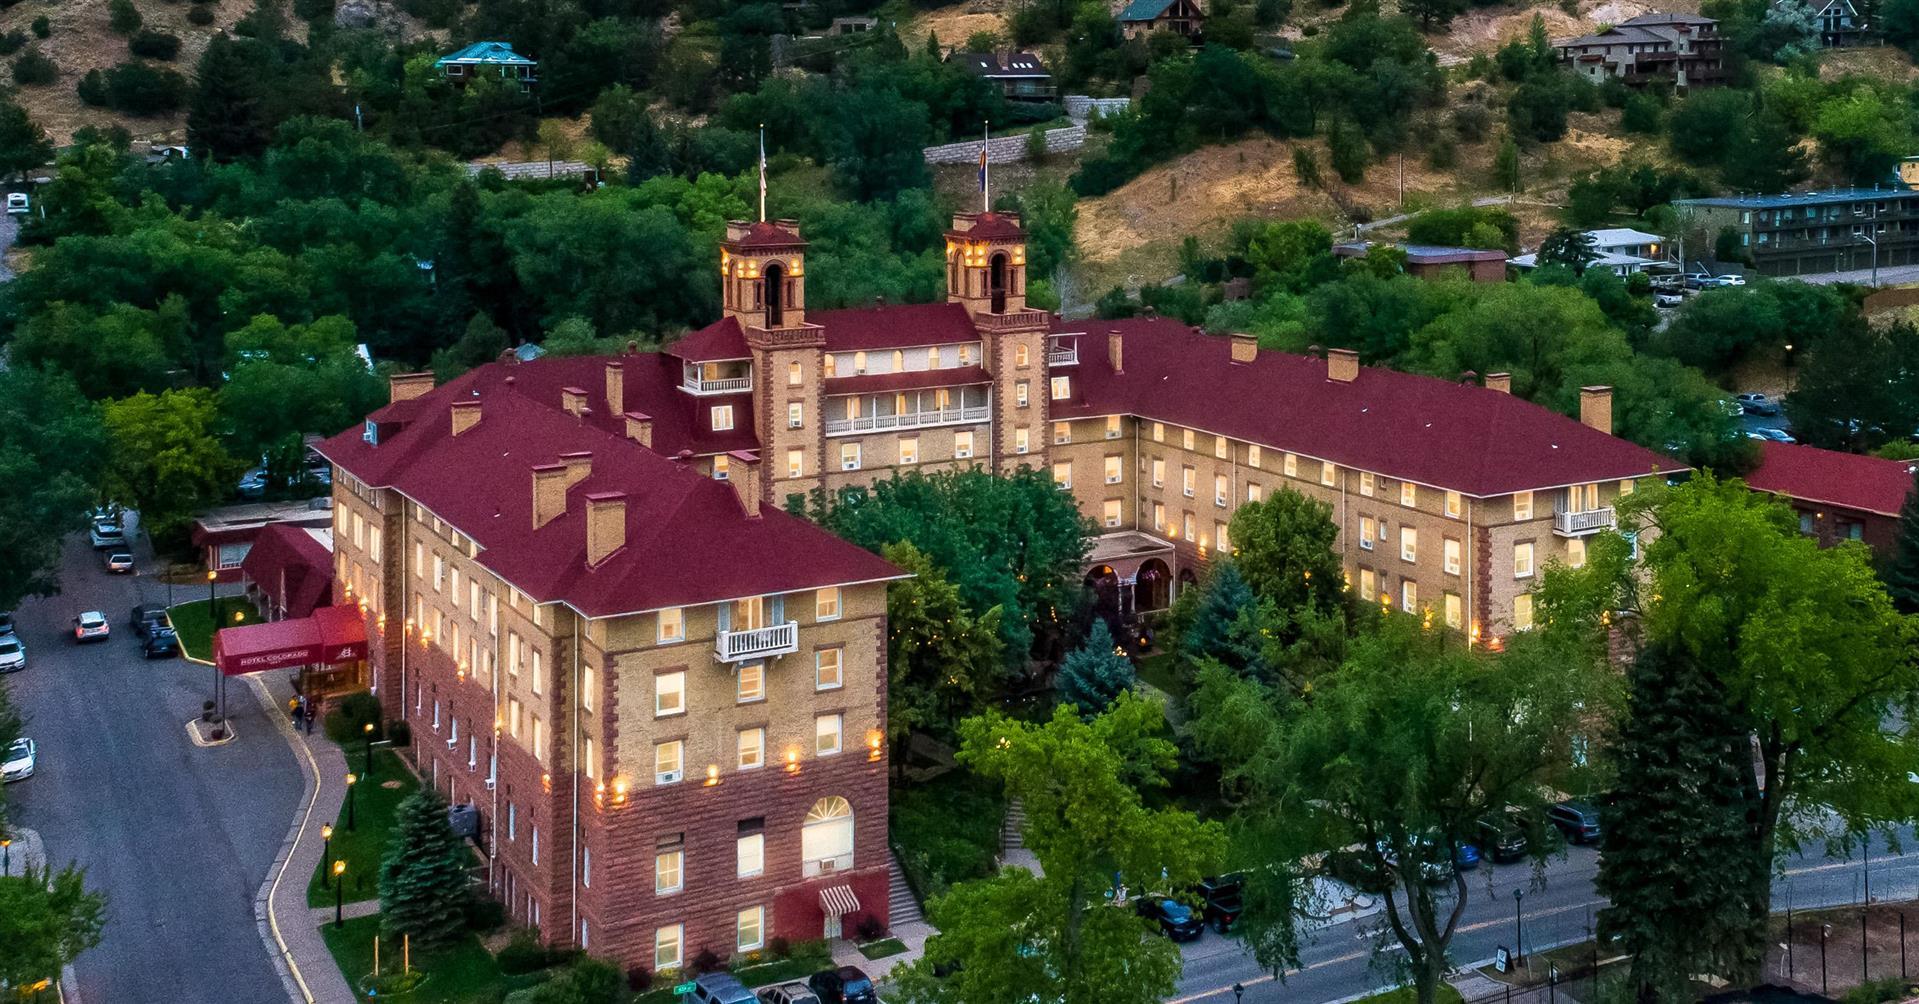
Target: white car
[(105, 534), (90, 626), (19, 762), (17, 204), (13, 654)]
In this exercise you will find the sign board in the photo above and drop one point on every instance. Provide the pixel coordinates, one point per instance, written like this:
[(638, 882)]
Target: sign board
[(684, 988), (1503, 960)]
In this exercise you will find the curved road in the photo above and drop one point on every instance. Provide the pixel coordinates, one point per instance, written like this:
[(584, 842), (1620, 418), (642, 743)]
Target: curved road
[(178, 837)]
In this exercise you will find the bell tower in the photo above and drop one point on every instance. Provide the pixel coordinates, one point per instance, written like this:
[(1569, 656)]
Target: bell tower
[(986, 274), (763, 274), (986, 263)]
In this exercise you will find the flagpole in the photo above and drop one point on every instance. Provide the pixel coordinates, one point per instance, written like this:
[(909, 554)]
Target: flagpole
[(762, 172), (986, 167)]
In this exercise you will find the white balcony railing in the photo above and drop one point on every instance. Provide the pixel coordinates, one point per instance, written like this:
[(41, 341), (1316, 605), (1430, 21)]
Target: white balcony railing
[(1063, 357), (1574, 524), (910, 420), (757, 643), (727, 385)]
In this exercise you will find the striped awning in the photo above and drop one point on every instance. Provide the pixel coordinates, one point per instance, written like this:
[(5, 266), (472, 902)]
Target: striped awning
[(838, 900)]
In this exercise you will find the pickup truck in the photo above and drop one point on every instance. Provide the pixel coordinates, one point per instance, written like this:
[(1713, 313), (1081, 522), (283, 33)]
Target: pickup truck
[(1222, 897)]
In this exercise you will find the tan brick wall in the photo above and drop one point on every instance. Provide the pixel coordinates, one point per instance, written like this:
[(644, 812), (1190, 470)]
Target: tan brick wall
[(772, 394)]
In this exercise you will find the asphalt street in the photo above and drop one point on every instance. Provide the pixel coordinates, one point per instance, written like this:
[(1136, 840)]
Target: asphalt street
[(177, 836), (1557, 908)]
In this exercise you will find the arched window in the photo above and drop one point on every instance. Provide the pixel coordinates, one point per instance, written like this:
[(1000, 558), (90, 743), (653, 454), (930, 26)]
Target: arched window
[(775, 297), (826, 838), (996, 283)]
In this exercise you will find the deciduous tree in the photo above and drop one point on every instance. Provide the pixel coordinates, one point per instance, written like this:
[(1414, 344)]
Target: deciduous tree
[(165, 457), (51, 455), (942, 661), (46, 919), (1902, 572)]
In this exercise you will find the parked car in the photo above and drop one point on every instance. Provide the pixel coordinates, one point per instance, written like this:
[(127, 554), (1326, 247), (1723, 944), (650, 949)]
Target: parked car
[(1698, 280), (107, 533), (119, 562), (162, 643), (1757, 404), (90, 626), (1175, 920), (1773, 435), (1503, 839), (148, 616), (720, 988), (845, 985), (1466, 858), (18, 204), (1579, 821), (1728, 279), (253, 485), (6, 623), (13, 654), (20, 760), (787, 993), (1668, 299), (1224, 904)]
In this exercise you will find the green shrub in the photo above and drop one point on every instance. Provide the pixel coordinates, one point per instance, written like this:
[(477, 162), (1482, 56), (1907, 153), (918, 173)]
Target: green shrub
[(123, 17), (587, 981), (1875, 991), (12, 42), (154, 45), (34, 69), (347, 722), (524, 953), (93, 89), (200, 15), (946, 830), (42, 27)]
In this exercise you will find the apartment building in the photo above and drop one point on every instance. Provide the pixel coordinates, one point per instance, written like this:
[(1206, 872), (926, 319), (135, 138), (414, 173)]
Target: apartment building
[(666, 700), (1682, 50), (1805, 233)]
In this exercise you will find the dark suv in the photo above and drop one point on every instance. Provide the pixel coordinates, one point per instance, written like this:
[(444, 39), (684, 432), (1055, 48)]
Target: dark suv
[(1579, 821), (1502, 838), (1221, 894), (845, 985), (1174, 919)]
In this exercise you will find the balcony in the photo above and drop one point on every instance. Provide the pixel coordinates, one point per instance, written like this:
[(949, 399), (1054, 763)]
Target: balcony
[(721, 385), (1581, 523), (757, 643), (909, 420), (1063, 357)]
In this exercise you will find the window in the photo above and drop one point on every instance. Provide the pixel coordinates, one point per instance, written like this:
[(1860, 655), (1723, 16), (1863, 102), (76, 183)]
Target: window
[(1062, 388), (1626, 487), (849, 456), (666, 947), (536, 845), (795, 463), (752, 682), (1453, 504), (514, 711), (1159, 473), (966, 355), (826, 734), (1020, 356), (669, 693), (826, 603), (1523, 612), (1252, 454), (722, 417), (672, 622), (1186, 439), (1187, 525), (750, 929), (1020, 394), (794, 375), (859, 362), (1219, 447), (1455, 611), (752, 748), (587, 756), (589, 685), (721, 467), (909, 449), (539, 739), (826, 837), (1408, 595), (1292, 465), (419, 560), (1327, 473), (1408, 544), (439, 573), (1159, 432), (1110, 512), (1522, 505), (1159, 516), (795, 415), (1219, 490), (1112, 427), (1368, 532), (1187, 478), (1576, 552), (1254, 493), (1062, 432), (1366, 585), (1523, 560), (1220, 539), (826, 668), (749, 850), (1408, 494), (1063, 475), (1114, 472), (668, 761), (539, 673), (962, 445), (1451, 556), (1366, 483), (1019, 440)]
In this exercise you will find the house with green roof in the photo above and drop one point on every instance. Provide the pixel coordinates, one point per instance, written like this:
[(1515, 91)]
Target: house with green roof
[(1143, 17), (484, 58)]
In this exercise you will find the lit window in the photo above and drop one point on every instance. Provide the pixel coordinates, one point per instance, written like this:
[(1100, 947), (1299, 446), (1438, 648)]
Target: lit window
[(1366, 483), (795, 415), (1020, 355), (826, 669), (1327, 473), (1186, 439), (1159, 473), (962, 445), (669, 693), (1187, 479), (794, 375), (859, 362), (1254, 493), (1020, 393), (750, 854), (1626, 487), (720, 467), (1114, 471), (1019, 440), (1062, 388), (539, 739), (752, 682), (1455, 611), (1408, 494), (1219, 447), (1063, 474), (1186, 522), (1368, 532), (669, 869), (849, 456), (1522, 561), (1453, 504), (1576, 552), (1252, 454), (933, 358), (1062, 432), (1220, 538), (588, 757), (1292, 465), (752, 747), (795, 463), (909, 449), (826, 734), (672, 623), (1409, 596), (751, 926), (826, 603), (1112, 427), (1219, 490), (1522, 505), (1408, 544), (1159, 432), (668, 759), (1366, 583), (666, 947), (1523, 612), (589, 685), (722, 417), (514, 711), (1159, 516), (1451, 549), (1110, 512)]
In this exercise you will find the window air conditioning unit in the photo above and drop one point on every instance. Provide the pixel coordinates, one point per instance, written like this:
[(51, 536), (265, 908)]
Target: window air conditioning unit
[(668, 777), (828, 866), (490, 783)]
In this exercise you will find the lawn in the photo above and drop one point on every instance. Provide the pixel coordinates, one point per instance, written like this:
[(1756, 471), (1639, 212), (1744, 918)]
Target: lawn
[(195, 627), (1446, 994), (883, 948), (362, 846), (946, 830), (1159, 669), (464, 973)]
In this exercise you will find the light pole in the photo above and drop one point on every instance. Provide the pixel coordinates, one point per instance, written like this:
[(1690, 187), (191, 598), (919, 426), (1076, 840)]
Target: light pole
[(367, 729), (1519, 928), (1239, 990), (351, 779), (339, 893), (6, 855), (213, 621), (326, 847)]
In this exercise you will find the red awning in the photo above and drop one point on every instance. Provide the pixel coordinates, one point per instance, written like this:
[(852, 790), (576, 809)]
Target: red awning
[(332, 634)]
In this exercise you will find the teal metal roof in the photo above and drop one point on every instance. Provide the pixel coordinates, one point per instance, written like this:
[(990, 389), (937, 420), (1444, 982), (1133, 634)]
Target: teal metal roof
[(490, 53), (1144, 10)]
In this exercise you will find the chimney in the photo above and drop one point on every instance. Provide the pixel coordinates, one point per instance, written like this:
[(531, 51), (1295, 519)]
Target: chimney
[(1501, 382), (744, 474), (1245, 348), (1342, 365), (615, 388), (1595, 408), (549, 493), (466, 415), (407, 386), (573, 399), (639, 428), (578, 466), (1116, 350), (605, 525)]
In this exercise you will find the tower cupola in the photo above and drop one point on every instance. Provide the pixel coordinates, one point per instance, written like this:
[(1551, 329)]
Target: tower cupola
[(763, 274), (986, 263)]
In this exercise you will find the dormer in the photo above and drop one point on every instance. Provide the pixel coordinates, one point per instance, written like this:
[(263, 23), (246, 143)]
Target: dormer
[(763, 274), (986, 263)]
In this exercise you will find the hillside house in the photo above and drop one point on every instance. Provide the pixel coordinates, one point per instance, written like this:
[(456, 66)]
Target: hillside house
[(1021, 76), (1619, 250), (1839, 21), (1142, 17), (1427, 261), (488, 58), (1680, 49)]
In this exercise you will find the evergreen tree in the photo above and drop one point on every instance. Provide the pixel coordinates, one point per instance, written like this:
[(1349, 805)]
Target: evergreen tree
[(1506, 166), (1672, 864), (1222, 603), (23, 144), (1902, 575), (226, 117), (1095, 673), (423, 880)]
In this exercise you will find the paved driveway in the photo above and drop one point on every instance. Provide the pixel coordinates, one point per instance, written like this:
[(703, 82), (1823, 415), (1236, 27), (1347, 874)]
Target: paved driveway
[(177, 836)]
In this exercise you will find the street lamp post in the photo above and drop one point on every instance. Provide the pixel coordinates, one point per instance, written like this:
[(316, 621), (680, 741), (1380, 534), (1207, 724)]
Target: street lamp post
[(6, 855), (1519, 928), (326, 847), (213, 619), (339, 893), (367, 729), (351, 779), (1239, 990)]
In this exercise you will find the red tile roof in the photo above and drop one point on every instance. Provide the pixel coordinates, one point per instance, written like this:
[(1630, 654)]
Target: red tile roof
[(993, 226), (723, 339), (289, 564), (761, 234), (1422, 429), (895, 326), (688, 540), (1828, 477), (874, 383)]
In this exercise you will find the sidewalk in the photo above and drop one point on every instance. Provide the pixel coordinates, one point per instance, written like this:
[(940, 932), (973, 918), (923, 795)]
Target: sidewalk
[(286, 923), (28, 851)]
